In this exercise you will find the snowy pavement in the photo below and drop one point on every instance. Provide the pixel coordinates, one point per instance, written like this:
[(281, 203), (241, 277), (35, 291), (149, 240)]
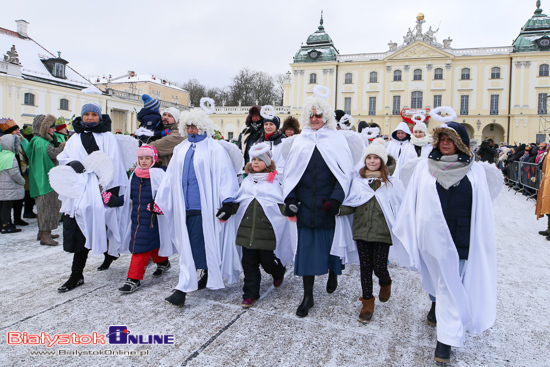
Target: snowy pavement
[(212, 329)]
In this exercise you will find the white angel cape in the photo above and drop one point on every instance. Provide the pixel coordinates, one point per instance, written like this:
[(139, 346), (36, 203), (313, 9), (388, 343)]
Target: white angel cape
[(389, 196), (408, 153), (89, 211), (334, 149), (467, 304), (269, 195), (217, 181), (395, 147), (166, 246)]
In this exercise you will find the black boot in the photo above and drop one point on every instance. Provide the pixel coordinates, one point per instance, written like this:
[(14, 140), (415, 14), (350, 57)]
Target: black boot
[(544, 233), (29, 205), (130, 286), (107, 262), (77, 278), (307, 302), (332, 282), (177, 298), (442, 353), (9, 228), (203, 279), (431, 316)]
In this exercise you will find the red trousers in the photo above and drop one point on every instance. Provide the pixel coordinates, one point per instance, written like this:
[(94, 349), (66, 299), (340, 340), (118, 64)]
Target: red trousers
[(140, 261)]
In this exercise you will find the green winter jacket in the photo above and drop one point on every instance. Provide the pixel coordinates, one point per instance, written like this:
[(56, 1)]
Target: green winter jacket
[(369, 223), (255, 231), (39, 166)]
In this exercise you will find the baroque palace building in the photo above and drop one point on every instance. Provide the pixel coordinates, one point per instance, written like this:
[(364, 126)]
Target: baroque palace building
[(498, 92)]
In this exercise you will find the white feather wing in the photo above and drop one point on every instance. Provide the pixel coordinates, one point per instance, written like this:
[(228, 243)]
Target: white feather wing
[(407, 171), (128, 147), (101, 164), (235, 155), (65, 181), (355, 144), (286, 145), (495, 179)]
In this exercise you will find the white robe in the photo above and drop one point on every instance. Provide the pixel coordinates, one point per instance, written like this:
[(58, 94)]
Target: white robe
[(389, 197), (467, 304), (269, 195), (166, 246), (396, 148), (89, 211), (408, 153), (217, 181)]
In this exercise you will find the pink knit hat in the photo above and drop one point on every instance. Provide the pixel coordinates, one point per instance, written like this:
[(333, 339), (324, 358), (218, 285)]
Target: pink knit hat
[(148, 151)]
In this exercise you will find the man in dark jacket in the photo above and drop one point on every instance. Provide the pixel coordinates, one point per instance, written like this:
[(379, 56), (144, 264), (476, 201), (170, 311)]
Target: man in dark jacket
[(252, 133), (487, 151)]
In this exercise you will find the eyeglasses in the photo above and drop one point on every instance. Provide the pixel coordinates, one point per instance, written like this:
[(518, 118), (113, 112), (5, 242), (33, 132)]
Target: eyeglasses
[(316, 116)]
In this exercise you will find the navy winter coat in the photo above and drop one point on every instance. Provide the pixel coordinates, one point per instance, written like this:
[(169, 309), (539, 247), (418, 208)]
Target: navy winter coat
[(457, 209), (145, 228), (316, 186)]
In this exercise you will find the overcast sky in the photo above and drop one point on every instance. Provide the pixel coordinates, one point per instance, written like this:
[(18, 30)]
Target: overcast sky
[(212, 40)]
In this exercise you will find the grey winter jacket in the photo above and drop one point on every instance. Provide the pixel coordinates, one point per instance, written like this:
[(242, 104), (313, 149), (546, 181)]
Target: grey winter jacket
[(12, 183)]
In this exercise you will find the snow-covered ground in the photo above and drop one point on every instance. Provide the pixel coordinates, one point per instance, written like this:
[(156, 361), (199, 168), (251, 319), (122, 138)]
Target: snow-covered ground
[(213, 330)]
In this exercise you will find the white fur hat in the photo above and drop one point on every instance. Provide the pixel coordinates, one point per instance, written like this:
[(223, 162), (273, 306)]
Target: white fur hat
[(319, 102), (172, 111), (198, 118), (375, 148), (262, 151), (420, 126)]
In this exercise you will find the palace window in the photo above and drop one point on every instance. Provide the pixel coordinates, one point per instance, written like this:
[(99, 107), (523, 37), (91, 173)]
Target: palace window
[(59, 71), (416, 100), (437, 100), (230, 135), (312, 78), (465, 74), (494, 104), (347, 105), (417, 74), (464, 104), (372, 106), (373, 77), (396, 105), (438, 74), (397, 76), (64, 104), (543, 70), (495, 73), (543, 103), (29, 99), (348, 78)]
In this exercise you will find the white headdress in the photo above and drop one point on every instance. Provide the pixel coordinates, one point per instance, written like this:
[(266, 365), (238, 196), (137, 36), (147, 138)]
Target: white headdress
[(199, 118), (344, 119), (319, 102), (451, 114)]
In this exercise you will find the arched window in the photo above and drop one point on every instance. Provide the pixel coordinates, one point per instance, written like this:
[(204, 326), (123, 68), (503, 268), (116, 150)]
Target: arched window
[(495, 73), (465, 74), (348, 78), (64, 104), (438, 74), (29, 99), (543, 70), (417, 74), (312, 78), (397, 76), (373, 78), (416, 100)]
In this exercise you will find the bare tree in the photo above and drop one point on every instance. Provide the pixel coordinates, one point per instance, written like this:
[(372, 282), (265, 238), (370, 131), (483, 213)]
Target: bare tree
[(279, 90), (196, 91), (242, 88)]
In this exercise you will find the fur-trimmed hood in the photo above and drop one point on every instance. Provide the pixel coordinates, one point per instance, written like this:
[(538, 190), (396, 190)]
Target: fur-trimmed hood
[(458, 134), (321, 105), (254, 110), (198, 118), (41, 124), (291, 123)]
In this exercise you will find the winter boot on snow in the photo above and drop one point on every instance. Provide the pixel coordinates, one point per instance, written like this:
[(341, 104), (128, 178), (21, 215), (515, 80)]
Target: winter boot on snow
[(431, 316), (162, 268), (385, 292), (9, 228), (544, 233), (332, 282), (177, 298), (203, 279), (71, 284), (106, 262), (130, 286), (307, 302), (47, 240), (442, 353), (367, 310)]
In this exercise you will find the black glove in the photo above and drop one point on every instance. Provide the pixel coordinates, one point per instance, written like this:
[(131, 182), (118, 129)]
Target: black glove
[(291, 207), (331, 207), (113, 200), (77, 166), (226, 211)]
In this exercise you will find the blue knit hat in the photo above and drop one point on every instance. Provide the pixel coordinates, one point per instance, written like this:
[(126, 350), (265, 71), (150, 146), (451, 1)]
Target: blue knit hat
[(91, 107), (150, 103)]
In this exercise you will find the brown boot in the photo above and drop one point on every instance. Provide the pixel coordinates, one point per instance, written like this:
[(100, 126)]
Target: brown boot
[(367, 310), (47, 239), (39, 235), (54, 235), (385, 292)]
